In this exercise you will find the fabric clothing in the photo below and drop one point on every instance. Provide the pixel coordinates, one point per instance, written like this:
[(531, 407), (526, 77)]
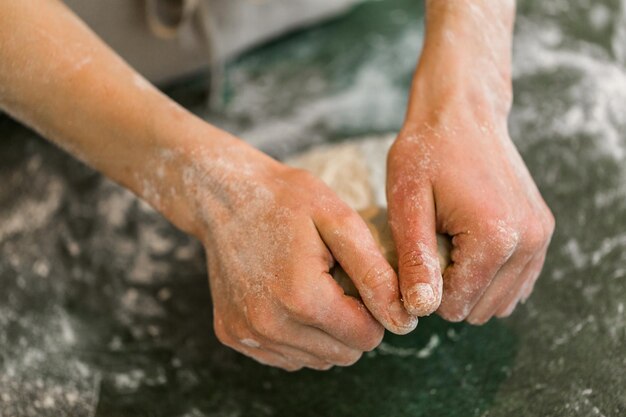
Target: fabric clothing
[(164, 39)]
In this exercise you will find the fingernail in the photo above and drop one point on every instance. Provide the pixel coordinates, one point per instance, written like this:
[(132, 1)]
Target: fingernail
[(421, 300)]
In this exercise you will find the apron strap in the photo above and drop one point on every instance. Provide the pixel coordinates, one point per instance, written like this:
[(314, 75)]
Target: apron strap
[(166, 17)]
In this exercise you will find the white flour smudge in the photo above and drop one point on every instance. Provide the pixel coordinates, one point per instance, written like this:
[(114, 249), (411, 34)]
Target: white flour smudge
[(425, 352)]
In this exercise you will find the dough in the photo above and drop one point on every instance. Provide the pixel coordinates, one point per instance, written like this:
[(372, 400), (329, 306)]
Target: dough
[(344, 168)]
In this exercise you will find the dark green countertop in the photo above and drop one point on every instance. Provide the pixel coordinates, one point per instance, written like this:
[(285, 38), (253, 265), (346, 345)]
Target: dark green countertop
[(105, 309)]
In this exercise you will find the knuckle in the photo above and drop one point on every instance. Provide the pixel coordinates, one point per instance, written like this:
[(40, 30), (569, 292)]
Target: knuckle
[(549, 223), (373, 340), (418, 261), (539, 231), (406, 142), (398, 161), (397, 150), (377, 277), (301, 179), (411, 260), (346, 218), (503, 236), (534, 237), (300, 303), (262, 323)]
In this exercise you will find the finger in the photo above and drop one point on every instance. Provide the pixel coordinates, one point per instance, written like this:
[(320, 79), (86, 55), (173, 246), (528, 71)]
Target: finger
[(538, 245), (353, 246), (299, 356), (322, 303), (477, 256), (296, 356), (413, 224), (309, 340), (244, 340), (505, 281), (508, 303), (529, 276), (505, 290), (528, 289), (290, 331), (264, 356), (250, 346), (352, 323), (321, 345)]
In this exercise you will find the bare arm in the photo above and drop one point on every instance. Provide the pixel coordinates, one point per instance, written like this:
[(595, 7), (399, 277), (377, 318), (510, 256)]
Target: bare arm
[(271, 233), (467, 53), (59, 78)]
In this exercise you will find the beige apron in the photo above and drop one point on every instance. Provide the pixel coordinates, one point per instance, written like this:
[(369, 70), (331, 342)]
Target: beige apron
[(164, 39)]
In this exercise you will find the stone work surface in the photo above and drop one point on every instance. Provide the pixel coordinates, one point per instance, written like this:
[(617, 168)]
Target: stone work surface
[(105, 308)]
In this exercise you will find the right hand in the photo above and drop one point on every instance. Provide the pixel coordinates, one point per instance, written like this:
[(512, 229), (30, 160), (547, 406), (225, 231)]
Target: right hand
[(271, 234), (269, 231)]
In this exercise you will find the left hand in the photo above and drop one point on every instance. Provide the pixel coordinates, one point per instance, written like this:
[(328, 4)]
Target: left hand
[(453, 169)]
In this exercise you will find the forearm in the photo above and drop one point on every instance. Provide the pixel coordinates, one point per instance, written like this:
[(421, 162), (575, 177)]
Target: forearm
[(59, 78), (467, 52)]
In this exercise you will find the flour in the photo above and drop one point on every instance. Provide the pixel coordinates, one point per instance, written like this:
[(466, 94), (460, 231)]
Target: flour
[(423, 353), (316, 108), (599, 16), (597, 101), (30, 214), (116, 205), (568, 121)]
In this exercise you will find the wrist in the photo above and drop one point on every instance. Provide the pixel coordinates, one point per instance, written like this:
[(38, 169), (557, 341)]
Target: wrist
[(198, 174), (448, 99), (467, 54), (453, 80), (163, 158)]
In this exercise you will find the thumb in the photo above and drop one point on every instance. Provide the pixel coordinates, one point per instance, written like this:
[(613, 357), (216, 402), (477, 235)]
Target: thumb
[(351, 243), (413, 224)]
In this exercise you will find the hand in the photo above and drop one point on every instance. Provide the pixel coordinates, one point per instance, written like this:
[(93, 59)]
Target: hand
[(453, 169), (272, 234)]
